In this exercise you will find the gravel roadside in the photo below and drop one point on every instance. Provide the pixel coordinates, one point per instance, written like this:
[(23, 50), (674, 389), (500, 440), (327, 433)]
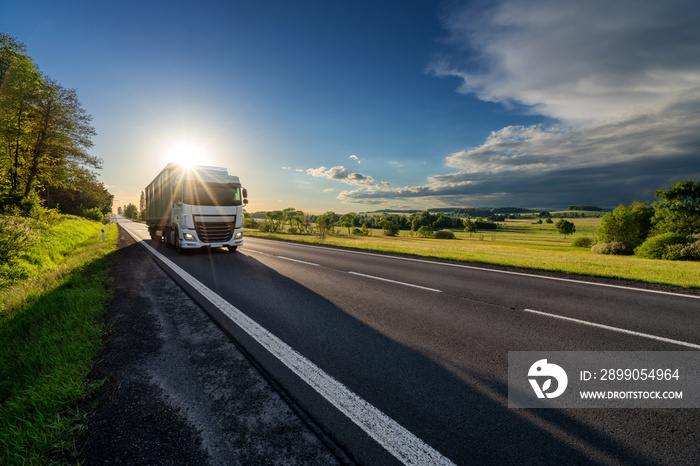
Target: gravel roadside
[(177, 390)]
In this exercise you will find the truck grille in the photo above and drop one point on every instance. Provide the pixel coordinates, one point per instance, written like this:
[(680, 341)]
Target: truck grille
[(214, 232)]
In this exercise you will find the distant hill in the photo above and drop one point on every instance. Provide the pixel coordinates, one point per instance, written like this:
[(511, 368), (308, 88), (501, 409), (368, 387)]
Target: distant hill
[(587, 208), (483, 211)]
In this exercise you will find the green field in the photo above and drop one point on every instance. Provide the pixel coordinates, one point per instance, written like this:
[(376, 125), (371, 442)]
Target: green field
[(519, 243)]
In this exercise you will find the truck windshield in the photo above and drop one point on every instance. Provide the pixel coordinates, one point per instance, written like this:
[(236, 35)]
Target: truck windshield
[(216, 194)]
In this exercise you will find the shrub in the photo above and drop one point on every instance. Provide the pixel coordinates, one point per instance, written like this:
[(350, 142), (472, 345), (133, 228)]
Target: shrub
[(267, 226), (689, 251), (360, 231), (425, 231), (92, 214), (657, 247), (583, 242), (614, 247), (16, 236), (444, 234)]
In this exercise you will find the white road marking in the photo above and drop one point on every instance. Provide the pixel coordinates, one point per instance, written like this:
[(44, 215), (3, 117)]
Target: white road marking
[(297, 260), (508, 272), (282, 257), (615, 329), (393, 437), (394, 281)]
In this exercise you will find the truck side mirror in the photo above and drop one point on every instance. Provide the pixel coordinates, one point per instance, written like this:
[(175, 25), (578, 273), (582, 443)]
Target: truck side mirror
[(245, 193), (245, 201)]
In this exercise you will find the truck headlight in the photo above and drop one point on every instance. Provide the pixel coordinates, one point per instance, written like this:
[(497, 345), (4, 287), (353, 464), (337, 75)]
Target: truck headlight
[(239, 235), (188, 237)]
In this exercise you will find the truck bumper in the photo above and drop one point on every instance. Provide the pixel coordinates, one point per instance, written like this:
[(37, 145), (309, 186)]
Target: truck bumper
[(190, 240)]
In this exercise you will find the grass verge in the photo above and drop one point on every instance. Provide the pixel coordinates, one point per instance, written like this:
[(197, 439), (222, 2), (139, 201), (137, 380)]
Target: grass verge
[(51, 328), (519, 244)]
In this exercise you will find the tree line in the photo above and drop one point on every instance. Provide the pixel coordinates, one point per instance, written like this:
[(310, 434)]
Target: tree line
[(294, 221), (668, 228), (45, 135)]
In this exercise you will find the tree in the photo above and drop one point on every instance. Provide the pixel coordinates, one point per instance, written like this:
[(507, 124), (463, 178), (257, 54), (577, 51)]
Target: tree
[(325, 223), (678, 209), (142, 206), (44, 131), (389, 228), (131, 212), (425, 231), (619, 225), (469, 226), (347, 220), (275, 219), (565, 227)]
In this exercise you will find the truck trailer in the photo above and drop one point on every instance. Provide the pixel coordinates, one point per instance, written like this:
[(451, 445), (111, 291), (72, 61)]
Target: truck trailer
[(197, 207)]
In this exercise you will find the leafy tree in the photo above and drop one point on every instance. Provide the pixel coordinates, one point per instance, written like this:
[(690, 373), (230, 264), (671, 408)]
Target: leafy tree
[(678, 209), (643, 213), (565, 227), (80, 191), (425, 231), (469, 226), (347, 220), (142, 205), (275, 218), (131, 212), (325, 223), (619, 225), (389, 228), (44, 134)]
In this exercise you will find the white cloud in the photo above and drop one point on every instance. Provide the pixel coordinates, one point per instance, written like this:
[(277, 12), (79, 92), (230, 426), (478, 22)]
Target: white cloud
[(573, 60), (355, 158), (341, 174)]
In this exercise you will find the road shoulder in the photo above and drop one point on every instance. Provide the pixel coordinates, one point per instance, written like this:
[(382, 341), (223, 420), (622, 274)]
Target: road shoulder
[(177, 390)]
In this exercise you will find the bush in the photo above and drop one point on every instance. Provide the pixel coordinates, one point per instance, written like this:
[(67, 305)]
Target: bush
[(614, 247), (425, 231), (444, 234), (92, 214), (267, 226), (689, 251), (657, 247), (16, 236), (583, 242)]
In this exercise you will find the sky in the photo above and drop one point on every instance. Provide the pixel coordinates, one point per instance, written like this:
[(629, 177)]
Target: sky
[(367, 105)]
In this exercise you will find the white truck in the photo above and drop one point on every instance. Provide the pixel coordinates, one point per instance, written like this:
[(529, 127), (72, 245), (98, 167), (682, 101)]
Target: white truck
[(198, 207)]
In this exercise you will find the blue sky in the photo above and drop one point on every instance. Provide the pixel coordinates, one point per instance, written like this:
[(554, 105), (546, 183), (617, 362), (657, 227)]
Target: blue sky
[(359, 106)]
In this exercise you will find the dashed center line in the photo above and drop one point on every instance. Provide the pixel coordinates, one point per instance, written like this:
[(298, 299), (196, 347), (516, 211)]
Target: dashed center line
[(394, 281), (351, 273), (615, 329)]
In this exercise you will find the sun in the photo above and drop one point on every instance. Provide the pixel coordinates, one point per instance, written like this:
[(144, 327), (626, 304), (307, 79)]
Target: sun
[(186, 153)]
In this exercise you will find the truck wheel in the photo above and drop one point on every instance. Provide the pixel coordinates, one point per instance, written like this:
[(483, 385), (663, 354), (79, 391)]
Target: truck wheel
[(167, 237)]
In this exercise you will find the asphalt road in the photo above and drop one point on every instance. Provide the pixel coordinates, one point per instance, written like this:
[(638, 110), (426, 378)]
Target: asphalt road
[(427, 344)]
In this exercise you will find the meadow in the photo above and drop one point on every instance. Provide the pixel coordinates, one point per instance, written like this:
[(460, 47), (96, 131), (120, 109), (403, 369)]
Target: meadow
[(517, 243)]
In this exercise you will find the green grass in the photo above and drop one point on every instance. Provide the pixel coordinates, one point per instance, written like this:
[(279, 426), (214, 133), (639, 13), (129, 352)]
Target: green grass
[(51, 328), (521, 243)]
